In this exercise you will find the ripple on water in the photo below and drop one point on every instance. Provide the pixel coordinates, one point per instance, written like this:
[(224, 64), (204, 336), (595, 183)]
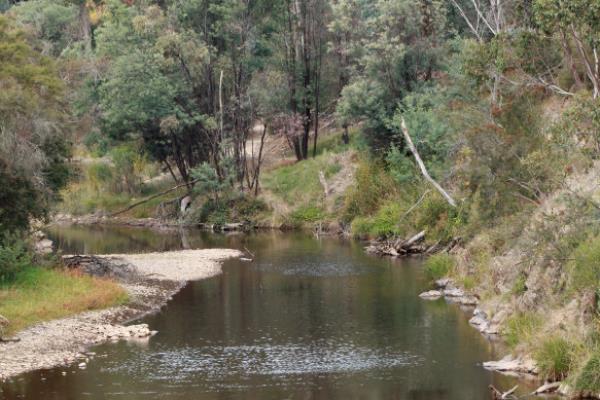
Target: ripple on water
[(217, 363)]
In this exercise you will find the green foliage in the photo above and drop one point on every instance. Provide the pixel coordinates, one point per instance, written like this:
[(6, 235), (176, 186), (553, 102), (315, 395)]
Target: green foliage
[(375, 41), (371, 188), (442, 221), (439, 266), (129, 163), (520, 285), (233, 209), (306, 214), (208, 182), (588, 377), (15, 257), (520, 328), (584, 269), (384, 223), (33, 149), (554, 357), (20, 200), (54, 22)]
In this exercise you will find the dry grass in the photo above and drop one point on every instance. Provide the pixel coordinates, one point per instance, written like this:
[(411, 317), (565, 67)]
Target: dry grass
[(43, 294)]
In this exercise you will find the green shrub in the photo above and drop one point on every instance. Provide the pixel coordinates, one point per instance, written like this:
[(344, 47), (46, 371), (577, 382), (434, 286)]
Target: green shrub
[(438, 266), (584, 269), (589, 376), (14, 259), (520, 285), (214, 212), (372, 187), (520, 328), (307, 214), (384, 223), (99, 175), (245, 208), (442, 221), (554, 357)]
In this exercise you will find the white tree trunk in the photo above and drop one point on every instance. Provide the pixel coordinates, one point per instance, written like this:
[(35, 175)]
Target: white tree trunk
[(413, 149)]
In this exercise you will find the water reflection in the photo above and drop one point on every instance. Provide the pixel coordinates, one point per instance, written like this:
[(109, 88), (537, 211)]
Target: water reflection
[(308, 319)]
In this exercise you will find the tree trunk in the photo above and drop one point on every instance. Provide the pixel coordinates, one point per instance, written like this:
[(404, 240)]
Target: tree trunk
[(413, 149), (85, 26)]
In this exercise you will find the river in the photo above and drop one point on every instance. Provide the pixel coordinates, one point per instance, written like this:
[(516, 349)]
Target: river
[(307, 319)]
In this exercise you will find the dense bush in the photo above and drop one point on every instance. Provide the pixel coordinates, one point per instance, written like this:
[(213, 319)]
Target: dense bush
[(14, 259), (385, 222), (372, 187), (588, 378), (235, 208), (584, 269)]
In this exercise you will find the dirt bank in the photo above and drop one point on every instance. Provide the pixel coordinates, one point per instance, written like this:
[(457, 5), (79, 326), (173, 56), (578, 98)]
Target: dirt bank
[(150, 279)]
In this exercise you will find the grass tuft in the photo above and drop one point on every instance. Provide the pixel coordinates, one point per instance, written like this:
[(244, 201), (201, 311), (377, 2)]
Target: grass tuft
[(555, 357), (588, 378), (438, 266), (520, 328)]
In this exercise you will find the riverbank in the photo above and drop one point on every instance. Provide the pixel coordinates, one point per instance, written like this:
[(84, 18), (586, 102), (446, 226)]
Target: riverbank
[(149, 279)]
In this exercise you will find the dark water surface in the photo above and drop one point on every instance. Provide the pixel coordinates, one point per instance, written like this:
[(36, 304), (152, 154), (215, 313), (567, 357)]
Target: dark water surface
[(308, 319)]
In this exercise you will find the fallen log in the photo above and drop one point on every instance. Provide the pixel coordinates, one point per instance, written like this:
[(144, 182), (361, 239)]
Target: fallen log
[(399, 247), (499, 395), (415, 239), (99, 266)]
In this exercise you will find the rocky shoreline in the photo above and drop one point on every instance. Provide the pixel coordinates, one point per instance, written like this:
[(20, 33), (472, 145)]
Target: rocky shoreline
[(520, 366), (150, 279)]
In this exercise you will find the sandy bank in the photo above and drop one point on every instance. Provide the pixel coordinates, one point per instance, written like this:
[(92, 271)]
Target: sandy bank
[(151, 279)]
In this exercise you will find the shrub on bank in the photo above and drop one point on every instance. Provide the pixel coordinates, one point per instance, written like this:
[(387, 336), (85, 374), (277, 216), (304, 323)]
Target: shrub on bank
[(554, 357), (584, 269), (384, 223), (588, 378), (520, 328), (438, 266), (14, 259)]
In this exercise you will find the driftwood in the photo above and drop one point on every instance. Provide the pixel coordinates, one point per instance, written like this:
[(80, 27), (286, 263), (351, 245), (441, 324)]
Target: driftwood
[(499, 395), (147, 199), (413, 245), (100, 266), (399, 247), (422, 167)]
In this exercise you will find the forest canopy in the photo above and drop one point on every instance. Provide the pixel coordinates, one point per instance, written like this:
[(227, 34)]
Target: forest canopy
[(188, 80)]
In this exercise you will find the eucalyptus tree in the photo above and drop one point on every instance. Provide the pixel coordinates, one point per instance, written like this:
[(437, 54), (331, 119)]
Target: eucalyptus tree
[(33, 130), (389, 48)]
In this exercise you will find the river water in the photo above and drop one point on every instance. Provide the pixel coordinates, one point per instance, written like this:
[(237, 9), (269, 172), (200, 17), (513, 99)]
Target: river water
[(307, 319)]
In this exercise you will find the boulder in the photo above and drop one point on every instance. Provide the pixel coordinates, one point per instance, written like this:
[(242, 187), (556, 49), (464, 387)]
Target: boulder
[(510, 364), (431, 295), (454, 292)]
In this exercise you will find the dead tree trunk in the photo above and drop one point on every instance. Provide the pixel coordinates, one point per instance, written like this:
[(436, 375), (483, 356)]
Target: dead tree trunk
[(422, 167)]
